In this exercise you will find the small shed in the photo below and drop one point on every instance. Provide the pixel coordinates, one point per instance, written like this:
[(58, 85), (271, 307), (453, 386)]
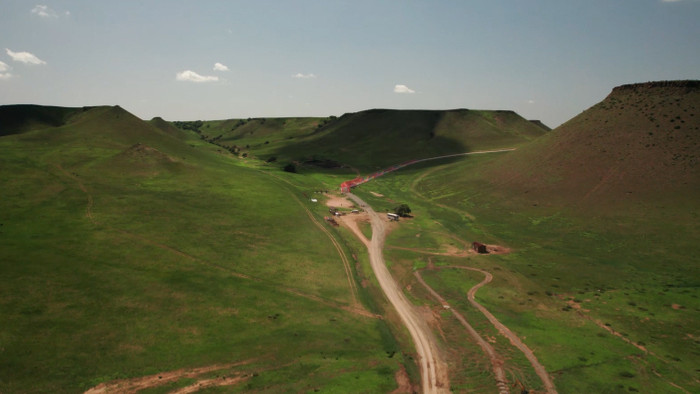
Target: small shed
[(479, 247), (393, 216)]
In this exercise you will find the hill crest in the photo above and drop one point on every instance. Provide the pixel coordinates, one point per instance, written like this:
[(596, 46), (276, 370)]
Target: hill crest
[(641, 140), (370, 139)]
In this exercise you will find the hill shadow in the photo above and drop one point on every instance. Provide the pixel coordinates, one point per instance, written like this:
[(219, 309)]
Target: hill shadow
[(20, 118), (375, 139)]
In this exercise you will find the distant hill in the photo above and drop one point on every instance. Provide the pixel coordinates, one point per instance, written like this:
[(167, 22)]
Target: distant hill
[(15, 119), (540, 124), (166, 127), (642, 140), (372, 138), (107, 138)]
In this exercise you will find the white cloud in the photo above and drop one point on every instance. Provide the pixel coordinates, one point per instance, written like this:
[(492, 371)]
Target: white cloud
[(403, 89), (303, 76), (45, 12), (220, 67), (24, 57), (3, 71), (191, 76)]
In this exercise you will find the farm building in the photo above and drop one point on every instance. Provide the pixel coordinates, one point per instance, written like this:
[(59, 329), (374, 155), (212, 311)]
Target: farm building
[(393, 216), (479, 247)]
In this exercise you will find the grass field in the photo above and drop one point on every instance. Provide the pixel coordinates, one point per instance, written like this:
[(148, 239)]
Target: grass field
[(127, 251), (132, 248), (603, 307)]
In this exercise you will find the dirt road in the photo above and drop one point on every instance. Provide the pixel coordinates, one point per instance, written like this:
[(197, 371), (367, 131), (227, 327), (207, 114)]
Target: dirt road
[(495, 358), (433, 368), (514, 339)]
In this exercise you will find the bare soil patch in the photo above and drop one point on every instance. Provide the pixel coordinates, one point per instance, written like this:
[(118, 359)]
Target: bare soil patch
[(497, 249), (141, 383), (218, 382), (404, 383), (338, 202)]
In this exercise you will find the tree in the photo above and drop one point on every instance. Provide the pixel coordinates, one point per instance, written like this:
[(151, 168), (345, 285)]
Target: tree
[(402, 210), (290, 167)]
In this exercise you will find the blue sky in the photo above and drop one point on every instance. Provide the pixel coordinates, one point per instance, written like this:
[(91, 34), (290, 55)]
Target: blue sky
[(187, 60)]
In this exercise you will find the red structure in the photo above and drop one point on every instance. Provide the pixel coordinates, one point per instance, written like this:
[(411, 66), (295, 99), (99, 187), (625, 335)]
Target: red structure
[(479, 247)]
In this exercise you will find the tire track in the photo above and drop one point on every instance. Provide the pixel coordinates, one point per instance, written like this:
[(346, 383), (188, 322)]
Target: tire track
[(502, 329), (495, 358)]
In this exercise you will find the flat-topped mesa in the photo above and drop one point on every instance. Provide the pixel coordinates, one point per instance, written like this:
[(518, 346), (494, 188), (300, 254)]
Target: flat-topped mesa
[(680, 84), (639, 144)]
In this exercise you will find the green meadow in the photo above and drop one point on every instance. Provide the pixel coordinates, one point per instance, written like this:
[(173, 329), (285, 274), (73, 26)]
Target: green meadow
[(608, 302), (127, 251), (132, 248)]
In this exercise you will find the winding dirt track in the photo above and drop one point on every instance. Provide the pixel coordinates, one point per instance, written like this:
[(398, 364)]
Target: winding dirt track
[(496, 361), (514, 340), (433, 368)]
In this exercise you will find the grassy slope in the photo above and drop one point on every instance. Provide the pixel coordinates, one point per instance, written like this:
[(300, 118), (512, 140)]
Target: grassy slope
[(639, 144), (376, 138), (629, 265), (122, 250), (627, 270), (634, 268), (605, 265)]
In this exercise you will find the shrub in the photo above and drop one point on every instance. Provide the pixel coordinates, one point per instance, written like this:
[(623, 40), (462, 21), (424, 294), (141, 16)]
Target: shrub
[(402, 210)]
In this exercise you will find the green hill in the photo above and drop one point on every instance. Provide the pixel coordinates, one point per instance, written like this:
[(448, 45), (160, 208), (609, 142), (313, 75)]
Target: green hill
[(130, 248), (370, 139), (601, 215), (133, 248), (641, 142)]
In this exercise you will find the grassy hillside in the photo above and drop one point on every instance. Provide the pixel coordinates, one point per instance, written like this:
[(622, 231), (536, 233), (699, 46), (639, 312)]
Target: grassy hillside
[(132, 248), (129, 248), (602, 219), (641, 143), (371, 139)]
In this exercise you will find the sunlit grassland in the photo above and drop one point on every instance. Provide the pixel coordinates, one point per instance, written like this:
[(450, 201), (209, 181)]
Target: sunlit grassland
[(120, 261), (568, 276)]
